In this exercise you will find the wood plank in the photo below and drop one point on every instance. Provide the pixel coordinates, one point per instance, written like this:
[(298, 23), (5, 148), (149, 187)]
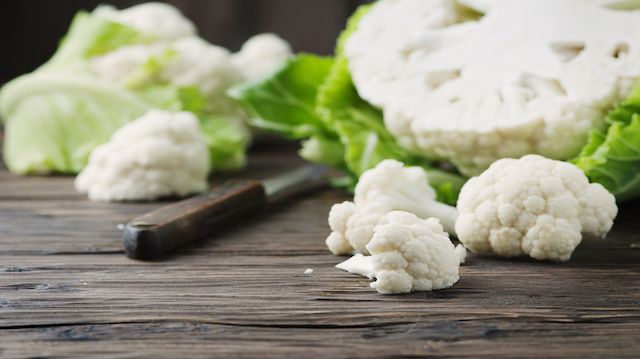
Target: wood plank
[(66, 289)]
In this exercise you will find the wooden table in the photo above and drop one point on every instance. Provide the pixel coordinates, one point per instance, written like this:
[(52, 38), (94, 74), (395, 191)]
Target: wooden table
[(67, 290)]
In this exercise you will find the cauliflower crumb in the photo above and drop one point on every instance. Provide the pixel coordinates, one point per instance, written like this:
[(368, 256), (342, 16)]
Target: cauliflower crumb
[(412, 254), (532, 206), (159, 154)]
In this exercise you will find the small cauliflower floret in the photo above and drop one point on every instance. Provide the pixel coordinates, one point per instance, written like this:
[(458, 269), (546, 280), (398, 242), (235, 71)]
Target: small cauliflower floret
[(159, 154), (411, 254), (198, 63), (156, 18), (462, 253), (388, 187), (261, 55), (532, 206), (474, 81)]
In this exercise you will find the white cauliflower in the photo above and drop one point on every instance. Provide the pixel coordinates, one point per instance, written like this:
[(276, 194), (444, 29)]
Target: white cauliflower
[(123, 64), (261, 55), (190, 61), (159, 154), (473, 81), (388, 187), (412, 254), (533, 206), (198, 63), (156, 18)]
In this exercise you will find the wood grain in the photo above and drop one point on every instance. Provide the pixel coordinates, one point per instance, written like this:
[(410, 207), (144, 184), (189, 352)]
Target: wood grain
[(67, 290)]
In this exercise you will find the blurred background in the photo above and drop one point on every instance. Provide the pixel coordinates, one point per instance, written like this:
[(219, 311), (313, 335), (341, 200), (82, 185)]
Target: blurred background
[(31, 29)]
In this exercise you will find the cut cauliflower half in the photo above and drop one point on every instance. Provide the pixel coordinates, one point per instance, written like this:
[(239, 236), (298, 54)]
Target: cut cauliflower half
[(387, 187), (474, 81), (160, 19), (261, 55), (160, 154), (532, 206), (412, 254)]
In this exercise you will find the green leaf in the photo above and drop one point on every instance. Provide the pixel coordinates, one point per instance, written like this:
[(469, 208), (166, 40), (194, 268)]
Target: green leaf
[(285, 102), (52, 122), (327, 151), (613, 158), (227, 142), (91, 35), (172, 98)]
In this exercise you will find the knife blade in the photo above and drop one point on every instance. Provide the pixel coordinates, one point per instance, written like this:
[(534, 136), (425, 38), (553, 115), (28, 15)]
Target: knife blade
[(163, 230)]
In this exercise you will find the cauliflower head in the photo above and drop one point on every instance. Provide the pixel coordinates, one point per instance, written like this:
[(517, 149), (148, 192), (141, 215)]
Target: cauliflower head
[(261, 55), (532, 206), (412, 254), (387, 187), (159, 154), (474, 81)]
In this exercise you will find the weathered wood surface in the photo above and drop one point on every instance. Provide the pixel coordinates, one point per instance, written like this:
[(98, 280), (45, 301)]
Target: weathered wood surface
[(67, 290)]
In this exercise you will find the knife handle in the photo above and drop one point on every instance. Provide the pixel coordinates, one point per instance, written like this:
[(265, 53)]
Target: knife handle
[(167, 228)]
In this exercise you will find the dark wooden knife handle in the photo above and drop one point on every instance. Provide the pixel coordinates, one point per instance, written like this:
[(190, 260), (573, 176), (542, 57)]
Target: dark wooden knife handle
[(161, 231)]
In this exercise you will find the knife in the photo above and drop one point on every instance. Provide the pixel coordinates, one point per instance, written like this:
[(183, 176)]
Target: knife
[(167, 228)]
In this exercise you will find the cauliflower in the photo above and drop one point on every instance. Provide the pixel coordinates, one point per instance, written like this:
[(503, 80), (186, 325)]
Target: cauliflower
[(203, 65), (408, 254), (261, 55), (190, 61), (387, 187), (533, 206), (156, 18), (121, 65), (159, 154), (474, 81)]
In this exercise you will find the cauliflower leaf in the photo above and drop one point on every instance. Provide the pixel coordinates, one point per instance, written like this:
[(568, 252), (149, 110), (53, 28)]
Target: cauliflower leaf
[(612, 157)]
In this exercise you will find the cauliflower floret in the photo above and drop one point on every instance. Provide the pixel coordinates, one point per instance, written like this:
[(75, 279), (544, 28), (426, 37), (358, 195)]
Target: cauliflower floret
[(387, 187), (198, 63), (411, 254), (462, 253), (458, 84), (121, 65), (159, 154), (533, 206), (261, 55), (156, 18)]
